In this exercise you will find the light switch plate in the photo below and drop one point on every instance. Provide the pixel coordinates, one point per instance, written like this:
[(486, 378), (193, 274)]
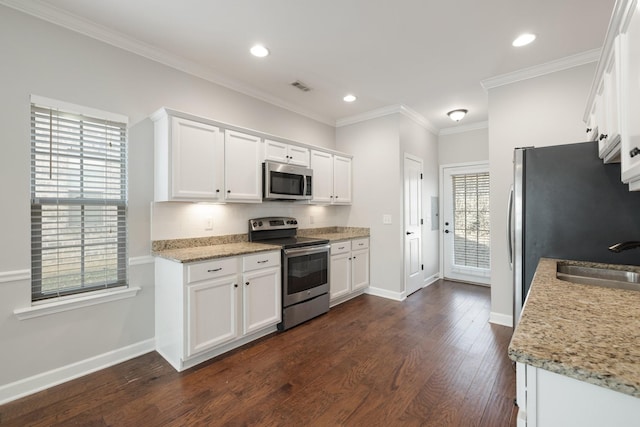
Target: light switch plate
[(386, 219)]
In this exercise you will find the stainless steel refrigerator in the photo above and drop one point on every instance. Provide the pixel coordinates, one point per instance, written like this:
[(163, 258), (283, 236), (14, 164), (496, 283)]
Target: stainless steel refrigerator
[(566, 203)]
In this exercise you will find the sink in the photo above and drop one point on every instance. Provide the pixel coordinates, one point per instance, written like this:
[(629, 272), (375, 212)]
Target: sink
[(605, 277)]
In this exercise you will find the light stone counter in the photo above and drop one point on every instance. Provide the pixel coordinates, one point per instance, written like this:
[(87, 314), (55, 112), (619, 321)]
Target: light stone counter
[(335, 234), (213, 251), (586, 332)]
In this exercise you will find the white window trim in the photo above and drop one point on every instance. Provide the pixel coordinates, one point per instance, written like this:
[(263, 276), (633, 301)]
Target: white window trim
[(76, 301), (79, 109)]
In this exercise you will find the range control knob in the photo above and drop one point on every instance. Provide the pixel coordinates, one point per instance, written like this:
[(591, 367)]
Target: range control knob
[(295, 221), (260, 223), (255, 224)]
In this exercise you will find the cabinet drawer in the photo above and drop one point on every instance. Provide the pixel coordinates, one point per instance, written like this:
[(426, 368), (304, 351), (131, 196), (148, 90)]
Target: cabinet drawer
[(340, 247), (211, 269), (261, 260), (359, 244)]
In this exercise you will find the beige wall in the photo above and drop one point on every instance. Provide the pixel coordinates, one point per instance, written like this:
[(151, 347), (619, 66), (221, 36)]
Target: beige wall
[(542, 111), (463, 147)]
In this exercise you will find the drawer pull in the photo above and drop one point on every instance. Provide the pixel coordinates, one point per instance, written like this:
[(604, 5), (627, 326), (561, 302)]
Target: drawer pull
[(214, 270), (341, 247), (262, 262), (634, 152)]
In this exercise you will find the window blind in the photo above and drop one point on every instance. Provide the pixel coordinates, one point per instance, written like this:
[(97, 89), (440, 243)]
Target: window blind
[(471, 220), (78, 202)]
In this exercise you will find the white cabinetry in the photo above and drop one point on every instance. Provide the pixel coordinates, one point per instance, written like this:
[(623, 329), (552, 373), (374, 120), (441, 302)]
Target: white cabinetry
[(189, 159), (349, 268), (243, 179), (261, 300), (204, 309), (629, 45), (286, 153), (331, 178), (547, 399)]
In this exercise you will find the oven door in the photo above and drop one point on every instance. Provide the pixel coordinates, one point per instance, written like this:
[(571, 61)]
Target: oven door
[(305, 273)]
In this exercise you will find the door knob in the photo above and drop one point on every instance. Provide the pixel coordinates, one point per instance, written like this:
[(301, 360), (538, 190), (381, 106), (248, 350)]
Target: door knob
[(446, 223), (446, 231)]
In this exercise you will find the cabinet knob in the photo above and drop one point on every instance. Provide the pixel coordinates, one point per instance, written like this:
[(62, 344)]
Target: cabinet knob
[(235, 285), (246, 283), (217, 190), (634, 152), (228, 191)]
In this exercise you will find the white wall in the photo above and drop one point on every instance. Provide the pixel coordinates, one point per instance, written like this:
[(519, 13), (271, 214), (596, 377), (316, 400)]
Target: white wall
[(542, 111), (464, 147), (43, 59), (419, 142), (378, 146)]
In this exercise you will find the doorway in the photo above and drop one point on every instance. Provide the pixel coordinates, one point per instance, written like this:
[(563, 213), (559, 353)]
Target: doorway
[(465, 223), (413, 277)]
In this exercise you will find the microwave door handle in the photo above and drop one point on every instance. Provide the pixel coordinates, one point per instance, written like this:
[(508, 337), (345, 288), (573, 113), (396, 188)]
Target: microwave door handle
[(304, 185)]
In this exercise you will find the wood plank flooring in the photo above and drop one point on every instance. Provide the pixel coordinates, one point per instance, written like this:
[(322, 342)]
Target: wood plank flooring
[(432, 360)]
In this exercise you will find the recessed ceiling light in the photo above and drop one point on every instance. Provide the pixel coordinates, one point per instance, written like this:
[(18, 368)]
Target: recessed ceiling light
[(259, 51), (523, 39), (349, 98)]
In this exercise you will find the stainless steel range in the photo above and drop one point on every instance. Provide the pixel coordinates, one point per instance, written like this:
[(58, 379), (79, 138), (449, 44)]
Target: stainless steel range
[(305, 268)]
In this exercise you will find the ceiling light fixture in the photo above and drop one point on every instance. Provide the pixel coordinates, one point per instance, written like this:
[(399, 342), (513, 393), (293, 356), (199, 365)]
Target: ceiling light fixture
[(259, 51), (523, 39), (457, 115), (349, 98)]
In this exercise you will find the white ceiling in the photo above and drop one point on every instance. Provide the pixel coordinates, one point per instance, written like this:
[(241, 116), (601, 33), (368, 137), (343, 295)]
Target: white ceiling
[(427, 55)]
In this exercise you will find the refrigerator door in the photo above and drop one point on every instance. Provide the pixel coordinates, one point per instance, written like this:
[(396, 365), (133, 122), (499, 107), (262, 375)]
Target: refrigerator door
[(516, 224)]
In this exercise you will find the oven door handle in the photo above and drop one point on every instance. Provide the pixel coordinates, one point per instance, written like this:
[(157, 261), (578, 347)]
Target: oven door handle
[(307, 250)]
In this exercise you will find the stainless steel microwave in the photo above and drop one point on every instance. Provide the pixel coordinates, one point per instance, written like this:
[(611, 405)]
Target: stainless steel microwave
[(286, 182)]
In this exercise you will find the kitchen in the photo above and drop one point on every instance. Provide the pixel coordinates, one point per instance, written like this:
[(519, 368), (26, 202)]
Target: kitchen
[(144, 86)]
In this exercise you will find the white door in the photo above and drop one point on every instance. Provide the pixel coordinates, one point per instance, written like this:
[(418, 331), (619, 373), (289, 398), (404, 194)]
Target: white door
[(341, 180), (465, 224), (322, 165), (242, 167), (413, 277), (261, 299)]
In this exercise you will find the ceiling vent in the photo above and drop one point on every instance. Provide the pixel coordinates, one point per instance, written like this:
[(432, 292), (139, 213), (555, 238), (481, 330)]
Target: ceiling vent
[(299, 85)]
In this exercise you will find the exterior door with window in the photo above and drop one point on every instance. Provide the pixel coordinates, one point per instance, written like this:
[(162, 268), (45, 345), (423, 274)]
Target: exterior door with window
[(465, 224)]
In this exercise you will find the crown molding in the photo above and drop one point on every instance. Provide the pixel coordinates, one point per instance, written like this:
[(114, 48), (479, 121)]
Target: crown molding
[(101, 33), (387, 111), (464, 128), (542, 69)]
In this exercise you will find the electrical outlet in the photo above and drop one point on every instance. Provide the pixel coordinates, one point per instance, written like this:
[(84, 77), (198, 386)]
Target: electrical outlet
[(311, 219), (208, 224), (386, 219)]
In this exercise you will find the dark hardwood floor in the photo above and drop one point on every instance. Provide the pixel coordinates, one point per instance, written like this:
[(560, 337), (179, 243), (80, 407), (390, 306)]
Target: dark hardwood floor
[(431, 360)]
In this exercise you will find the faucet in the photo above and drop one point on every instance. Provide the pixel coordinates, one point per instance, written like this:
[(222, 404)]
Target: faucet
[(623, 246)]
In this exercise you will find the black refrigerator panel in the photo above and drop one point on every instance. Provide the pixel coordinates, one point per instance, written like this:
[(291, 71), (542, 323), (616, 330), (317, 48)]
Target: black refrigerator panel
[(575, 207)]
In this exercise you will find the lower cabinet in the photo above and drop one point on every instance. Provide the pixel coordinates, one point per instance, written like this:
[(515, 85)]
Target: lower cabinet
[(349, 269), (547, 399), (204, 309)]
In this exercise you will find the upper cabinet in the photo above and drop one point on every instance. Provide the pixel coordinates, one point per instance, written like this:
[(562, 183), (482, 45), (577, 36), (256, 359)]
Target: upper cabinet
[(243, 178), (629, 45), (332, 176), (189, 159), (614, 101), (286, 153)]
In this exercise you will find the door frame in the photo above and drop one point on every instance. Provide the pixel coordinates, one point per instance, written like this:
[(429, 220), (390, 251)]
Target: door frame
[(482, 164)]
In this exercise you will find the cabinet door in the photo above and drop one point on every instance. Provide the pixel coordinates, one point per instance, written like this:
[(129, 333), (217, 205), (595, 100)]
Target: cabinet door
[(630, 97), (243, 180), (276, 151), (340, 277), (341, 180), (298, 156), (322, 165), (212, 314), (261, 299), (197, 156), (359, 269)]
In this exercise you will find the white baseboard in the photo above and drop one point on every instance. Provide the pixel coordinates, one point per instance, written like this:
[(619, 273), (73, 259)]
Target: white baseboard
[(36, 383), (501, 319), (431, 280), (384, 293)]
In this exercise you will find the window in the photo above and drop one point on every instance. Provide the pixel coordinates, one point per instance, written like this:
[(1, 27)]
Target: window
[(78, 199), (471, 220)]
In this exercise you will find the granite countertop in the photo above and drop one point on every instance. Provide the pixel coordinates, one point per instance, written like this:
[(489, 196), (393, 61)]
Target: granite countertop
[(586, 332), (205, 248), (335, 234)]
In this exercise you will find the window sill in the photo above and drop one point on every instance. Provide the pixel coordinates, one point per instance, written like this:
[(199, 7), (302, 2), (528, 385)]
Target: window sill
[(74, 303)]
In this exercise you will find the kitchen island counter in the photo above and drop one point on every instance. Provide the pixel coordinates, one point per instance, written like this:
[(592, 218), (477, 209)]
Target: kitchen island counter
[(586, 332)]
